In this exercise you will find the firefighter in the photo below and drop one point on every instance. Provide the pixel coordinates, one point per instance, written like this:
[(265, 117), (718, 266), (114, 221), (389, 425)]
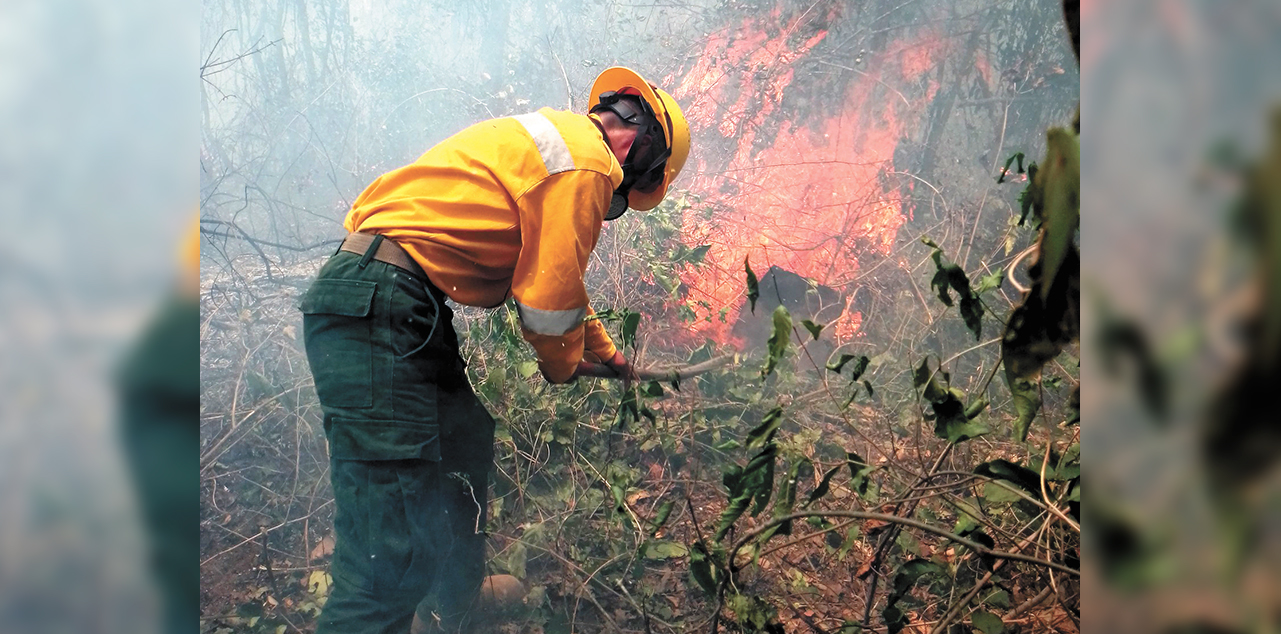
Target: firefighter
[(158, 386), (510, 207)]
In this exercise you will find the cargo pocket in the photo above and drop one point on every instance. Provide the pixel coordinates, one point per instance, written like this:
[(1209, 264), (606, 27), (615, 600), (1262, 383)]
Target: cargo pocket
[(386, 485), (384, 440), (337, 332)]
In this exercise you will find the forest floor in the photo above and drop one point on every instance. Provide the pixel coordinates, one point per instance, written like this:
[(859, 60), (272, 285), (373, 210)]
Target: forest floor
[(588, 564), (255, 580)]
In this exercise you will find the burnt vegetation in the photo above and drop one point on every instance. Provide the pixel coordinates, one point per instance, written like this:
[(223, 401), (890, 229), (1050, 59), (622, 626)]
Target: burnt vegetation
[(894, 446)]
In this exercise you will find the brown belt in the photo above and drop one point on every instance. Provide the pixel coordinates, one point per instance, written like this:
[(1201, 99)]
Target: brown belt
[(388, 251)]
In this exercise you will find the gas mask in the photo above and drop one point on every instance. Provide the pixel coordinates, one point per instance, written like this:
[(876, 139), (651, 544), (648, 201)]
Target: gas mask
[(646, 162)]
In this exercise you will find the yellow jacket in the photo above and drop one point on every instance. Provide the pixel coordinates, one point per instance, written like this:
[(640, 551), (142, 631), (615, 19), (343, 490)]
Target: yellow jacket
[(510, 207)]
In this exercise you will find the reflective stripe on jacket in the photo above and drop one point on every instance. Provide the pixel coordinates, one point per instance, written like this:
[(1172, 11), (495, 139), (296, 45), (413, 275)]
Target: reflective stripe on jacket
[(510, 206)]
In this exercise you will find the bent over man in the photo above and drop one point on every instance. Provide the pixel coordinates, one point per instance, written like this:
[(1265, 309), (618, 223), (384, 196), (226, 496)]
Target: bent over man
[(510, 207)]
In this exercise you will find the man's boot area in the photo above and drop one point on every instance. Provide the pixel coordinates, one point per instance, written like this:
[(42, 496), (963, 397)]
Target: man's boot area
[(500, 597)]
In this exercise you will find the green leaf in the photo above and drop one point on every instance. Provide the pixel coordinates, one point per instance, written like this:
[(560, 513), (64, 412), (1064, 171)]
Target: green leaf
[(659, 550), (972, 314), (778, 341), (261, 384), (951, 276), (753, 287), (994, 493), (921, 375), (786, 501), (1030, 194), (698, 253), (517, 557), (950, 420), (908, 543), (660, 518), (1027, 402), (653, 388), (1119, 338), (999, 599), (835, 366), (1060, 182), (853, 395), (906, 577), (628, 409), (991, 281), (929, 243), (619, 491), (649, 414), (976, 408), (910, 572), (851, 536), (702, 353), (754, 482), (1074, 407), (1021, 476), (753, 614), (933, 391), (1004, 170), (630, 322), (895, 620), (987, 623), (701, 569), (868, 384), (527, 369), (318, 583), (815, 329), (823, 486), (860, 366), (956, 431), (967, 517), (764, 433), (940, 284), (859, 472), (608, 314)]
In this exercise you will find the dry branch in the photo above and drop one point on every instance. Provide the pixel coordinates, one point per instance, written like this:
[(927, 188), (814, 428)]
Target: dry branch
[(602, 371)]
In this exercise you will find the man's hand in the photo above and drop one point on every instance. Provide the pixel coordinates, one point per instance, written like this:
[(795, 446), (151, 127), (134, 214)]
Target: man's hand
[(618, 364), (623, 368)]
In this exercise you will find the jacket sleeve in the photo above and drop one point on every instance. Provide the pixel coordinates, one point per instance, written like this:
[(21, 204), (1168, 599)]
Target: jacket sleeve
[(596, 340), (560, 221)]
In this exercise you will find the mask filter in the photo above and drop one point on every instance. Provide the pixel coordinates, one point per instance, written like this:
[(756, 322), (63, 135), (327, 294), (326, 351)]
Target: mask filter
[(617, 206)]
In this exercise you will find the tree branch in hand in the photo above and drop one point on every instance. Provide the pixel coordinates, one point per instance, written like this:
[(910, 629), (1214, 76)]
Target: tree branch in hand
[(602, 371)]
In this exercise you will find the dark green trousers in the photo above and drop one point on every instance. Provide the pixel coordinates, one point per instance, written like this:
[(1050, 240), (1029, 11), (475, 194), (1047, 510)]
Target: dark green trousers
[(410, 448), (159, 386)]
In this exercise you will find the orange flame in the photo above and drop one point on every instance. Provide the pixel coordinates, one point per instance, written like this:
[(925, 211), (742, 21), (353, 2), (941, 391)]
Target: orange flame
[(813, 198)]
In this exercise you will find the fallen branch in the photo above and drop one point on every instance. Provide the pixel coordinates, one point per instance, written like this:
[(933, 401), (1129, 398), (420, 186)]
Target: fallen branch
[(602, 371), (894, 519)]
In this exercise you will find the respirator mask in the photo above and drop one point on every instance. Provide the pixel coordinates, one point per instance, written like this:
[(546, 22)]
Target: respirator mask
[(646, 162)]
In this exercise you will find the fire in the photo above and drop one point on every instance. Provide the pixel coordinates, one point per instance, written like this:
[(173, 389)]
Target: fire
[(807, 197)]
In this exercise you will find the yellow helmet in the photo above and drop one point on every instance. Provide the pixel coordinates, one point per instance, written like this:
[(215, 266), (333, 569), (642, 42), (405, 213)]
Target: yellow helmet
[(670, 118)]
